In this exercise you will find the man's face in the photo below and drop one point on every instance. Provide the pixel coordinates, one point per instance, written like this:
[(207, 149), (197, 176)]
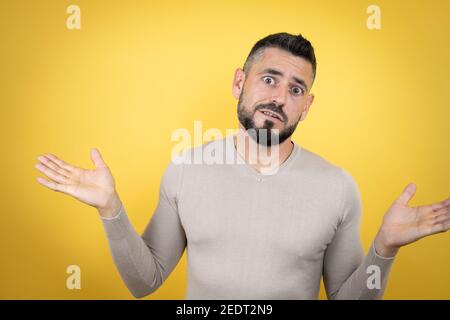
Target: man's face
[(274, 94)]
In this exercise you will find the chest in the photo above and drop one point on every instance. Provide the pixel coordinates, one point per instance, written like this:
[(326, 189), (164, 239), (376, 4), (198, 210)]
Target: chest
[(258, 217)]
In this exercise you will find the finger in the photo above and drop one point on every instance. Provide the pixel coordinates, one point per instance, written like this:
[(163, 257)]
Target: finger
[(52, 165), (439, 205), (60, 163), (97, 159), (51, 184), (51, 173), (442, 211), (441, 227), (407, 194), (442, 218), (431, 215)]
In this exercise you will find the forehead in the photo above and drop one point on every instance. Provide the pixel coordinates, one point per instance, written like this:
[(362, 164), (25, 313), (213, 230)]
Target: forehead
[(286, 62)]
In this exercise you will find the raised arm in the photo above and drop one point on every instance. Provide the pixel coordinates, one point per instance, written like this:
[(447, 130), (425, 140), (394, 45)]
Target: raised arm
[(144, 262), (348, 274)]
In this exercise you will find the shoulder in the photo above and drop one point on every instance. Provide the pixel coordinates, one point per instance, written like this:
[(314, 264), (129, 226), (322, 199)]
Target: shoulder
[(192, 162), (329, 177), (313, 163), (216, 149)]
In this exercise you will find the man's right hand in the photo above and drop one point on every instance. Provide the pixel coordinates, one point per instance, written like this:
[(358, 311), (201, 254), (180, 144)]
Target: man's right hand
[(93, 187)]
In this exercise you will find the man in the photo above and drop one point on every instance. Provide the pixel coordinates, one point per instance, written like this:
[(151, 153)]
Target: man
[(251, 234)]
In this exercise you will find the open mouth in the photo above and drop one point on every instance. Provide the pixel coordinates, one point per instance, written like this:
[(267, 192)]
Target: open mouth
[(271, 114)]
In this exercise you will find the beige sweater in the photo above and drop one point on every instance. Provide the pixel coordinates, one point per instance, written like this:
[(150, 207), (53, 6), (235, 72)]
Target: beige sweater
[(252, 236)]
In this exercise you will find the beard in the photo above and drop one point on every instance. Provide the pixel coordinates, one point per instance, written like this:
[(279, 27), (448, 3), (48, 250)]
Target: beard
[(265, 135)]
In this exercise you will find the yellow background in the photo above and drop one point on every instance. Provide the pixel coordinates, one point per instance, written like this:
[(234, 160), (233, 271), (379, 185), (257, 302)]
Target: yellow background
[(137, 70)]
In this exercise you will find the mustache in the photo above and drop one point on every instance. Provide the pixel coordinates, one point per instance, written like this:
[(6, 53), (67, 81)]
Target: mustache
[(274, 108)]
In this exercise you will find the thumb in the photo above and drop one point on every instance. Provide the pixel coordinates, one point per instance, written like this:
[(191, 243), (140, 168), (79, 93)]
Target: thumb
[(97, 159), (407, 194)]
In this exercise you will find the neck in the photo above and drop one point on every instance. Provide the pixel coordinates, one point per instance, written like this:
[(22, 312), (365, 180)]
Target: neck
[(259, 157)]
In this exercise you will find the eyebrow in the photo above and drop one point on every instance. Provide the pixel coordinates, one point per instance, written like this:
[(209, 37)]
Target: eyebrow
[(279, 73)]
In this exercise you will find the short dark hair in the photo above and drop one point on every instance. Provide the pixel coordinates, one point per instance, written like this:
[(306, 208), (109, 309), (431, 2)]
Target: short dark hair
[(297, 45)]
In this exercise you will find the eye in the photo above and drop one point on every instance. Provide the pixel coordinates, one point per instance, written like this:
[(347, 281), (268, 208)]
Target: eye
[(297, 90), (268, 80)]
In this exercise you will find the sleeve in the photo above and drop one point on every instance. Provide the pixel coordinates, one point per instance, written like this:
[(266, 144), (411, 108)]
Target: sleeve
[(144, 262), (347, 273)]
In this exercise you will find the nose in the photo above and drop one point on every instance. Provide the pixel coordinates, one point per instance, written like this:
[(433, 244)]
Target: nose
[(279, 95)]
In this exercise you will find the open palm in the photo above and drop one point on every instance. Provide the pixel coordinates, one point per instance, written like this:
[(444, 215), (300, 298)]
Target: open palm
[(93, 187), (403, 224)]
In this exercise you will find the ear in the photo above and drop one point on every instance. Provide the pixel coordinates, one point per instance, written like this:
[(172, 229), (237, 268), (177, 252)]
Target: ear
[(238, 82), (309, 101)]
